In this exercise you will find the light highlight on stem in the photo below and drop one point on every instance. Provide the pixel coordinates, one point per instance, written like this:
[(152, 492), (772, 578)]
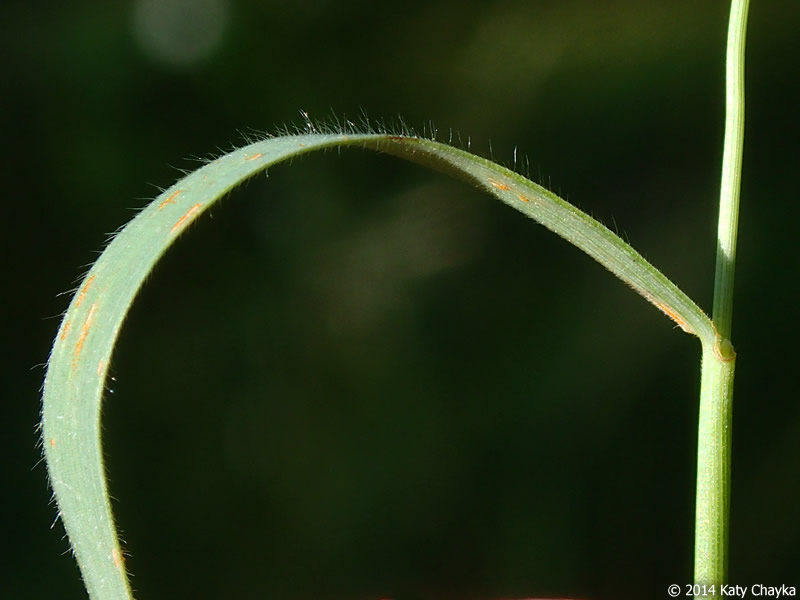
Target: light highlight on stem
[(728, 223)]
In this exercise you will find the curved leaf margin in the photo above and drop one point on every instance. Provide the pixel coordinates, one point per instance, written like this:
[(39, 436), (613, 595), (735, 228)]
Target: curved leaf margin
[(81, 352)]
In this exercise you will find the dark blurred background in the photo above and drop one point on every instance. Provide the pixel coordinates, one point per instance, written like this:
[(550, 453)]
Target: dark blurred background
[(359, 379)]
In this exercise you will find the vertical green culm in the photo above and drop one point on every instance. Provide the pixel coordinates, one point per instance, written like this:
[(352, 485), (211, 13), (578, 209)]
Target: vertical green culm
[(719, 357)]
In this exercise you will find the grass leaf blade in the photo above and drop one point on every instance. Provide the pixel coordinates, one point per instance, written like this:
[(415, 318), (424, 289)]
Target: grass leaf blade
[(82, 350)]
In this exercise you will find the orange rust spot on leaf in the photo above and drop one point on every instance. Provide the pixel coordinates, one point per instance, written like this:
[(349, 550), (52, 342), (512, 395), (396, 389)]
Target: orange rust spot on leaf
[(254, 156), (84, 332), (100, 366), (674, 316), (170, 200), (65, 330), (83, 291), (52, 442), (498, 185), (522, 198), (183, 219), (117, 558)]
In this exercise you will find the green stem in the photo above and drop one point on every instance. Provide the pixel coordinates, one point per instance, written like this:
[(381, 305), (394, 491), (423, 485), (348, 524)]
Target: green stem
[(731, 169), (719, 358), (714, 464)]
